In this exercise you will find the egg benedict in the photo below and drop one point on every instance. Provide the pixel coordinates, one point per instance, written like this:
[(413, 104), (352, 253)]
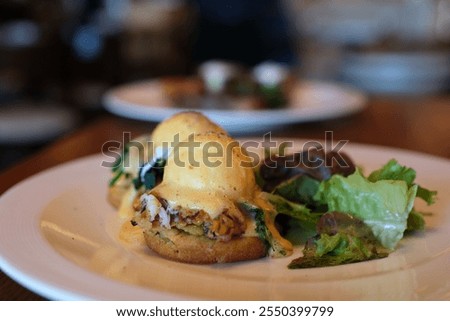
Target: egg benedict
[(196, 199), (146, 147), (194, 216)]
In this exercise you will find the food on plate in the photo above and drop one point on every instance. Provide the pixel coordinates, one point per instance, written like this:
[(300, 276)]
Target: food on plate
[(183, 91), (126, 168), (197, 196), (358, 217), (180, 126), (225, 85), (143, 148), (193, 214)]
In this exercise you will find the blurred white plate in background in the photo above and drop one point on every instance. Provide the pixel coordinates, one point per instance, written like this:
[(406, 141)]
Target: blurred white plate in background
[(310, 101)]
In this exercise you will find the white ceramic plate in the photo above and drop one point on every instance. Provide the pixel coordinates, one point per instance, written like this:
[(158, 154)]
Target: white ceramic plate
[(59, 239), (310, 101)]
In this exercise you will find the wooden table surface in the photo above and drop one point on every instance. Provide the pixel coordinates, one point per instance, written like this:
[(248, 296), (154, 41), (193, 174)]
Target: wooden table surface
[(415, 123)]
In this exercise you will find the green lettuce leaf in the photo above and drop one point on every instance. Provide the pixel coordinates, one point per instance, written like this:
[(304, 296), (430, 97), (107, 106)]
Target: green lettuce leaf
[(299, 189), (383, 205), (297, 211), (392, 170), (415, 221), (301, 223), (341, 239), (427, 195), (332, 250)]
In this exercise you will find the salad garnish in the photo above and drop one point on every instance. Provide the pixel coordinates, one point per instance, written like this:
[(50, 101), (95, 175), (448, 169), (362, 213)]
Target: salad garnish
[(348, 216)]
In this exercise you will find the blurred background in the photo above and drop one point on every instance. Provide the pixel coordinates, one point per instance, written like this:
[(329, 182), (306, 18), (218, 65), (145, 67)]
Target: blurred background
[(58, 57)]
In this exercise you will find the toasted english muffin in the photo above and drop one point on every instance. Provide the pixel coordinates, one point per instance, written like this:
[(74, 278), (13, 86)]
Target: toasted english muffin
[(177, 245), (193, 215)]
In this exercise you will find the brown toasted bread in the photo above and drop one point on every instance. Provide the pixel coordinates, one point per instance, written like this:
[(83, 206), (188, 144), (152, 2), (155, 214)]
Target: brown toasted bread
[(180, 246)]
